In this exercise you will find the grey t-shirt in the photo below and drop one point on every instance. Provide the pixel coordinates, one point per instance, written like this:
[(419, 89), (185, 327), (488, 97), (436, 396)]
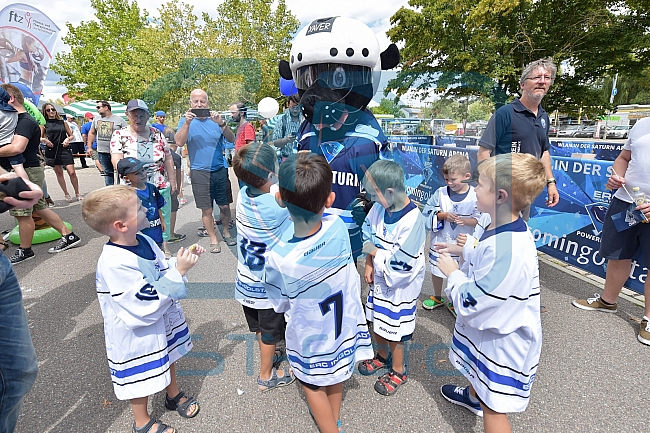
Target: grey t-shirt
[(104, 127)]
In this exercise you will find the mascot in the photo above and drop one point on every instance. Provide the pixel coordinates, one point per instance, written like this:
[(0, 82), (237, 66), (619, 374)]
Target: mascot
[(336, 65)]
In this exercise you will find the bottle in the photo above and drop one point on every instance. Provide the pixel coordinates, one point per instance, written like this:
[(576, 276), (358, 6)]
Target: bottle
[(638, 196)]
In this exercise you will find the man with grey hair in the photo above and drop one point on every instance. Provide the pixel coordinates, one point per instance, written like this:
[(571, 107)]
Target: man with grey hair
[(204, 133), (522, 126)]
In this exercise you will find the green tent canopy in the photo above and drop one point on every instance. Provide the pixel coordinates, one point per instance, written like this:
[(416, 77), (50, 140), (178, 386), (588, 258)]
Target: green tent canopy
[(78, 109)]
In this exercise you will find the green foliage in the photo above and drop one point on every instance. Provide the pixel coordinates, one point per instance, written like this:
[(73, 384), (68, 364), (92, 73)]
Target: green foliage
[(387, 106), (100, 51), (472, 47), (126, 54)]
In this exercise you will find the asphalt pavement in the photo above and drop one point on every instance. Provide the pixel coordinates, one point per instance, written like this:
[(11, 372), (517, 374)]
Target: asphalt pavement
[(591, 376)]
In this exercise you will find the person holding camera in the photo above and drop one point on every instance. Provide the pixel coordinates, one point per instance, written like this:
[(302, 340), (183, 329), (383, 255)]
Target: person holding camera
[(203, 130)]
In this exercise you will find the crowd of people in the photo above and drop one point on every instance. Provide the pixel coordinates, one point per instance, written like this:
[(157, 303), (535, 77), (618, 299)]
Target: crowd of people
[(300, 227)]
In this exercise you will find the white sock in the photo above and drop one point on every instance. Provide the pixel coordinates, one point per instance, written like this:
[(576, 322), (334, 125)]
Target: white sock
[(472, 398)]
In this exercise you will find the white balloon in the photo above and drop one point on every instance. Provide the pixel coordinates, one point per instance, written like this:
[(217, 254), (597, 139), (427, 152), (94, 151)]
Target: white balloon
[(268, 107)]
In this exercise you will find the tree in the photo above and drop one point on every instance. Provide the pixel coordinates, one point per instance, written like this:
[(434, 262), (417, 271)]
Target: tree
[(253, 29), (101, 50), (387, 106), (462, 47)]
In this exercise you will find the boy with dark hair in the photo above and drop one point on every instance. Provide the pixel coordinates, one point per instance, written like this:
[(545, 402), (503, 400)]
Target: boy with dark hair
[(393, 238), (449, 212), (311, 276), (498, 333), (131, 170), (260, 224), (138, 292)]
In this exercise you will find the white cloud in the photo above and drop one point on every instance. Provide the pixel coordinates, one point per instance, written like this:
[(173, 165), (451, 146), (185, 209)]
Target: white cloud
[(375, 13)]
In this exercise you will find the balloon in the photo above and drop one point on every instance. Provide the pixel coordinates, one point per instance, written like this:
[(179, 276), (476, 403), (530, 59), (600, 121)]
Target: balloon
[(288, 87), (268, 107)]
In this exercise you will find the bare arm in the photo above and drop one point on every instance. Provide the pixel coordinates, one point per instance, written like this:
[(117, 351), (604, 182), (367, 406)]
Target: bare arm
[(483, 153), (169, 168), (18, 145), (183, 132), (91, 137), (551, 188)]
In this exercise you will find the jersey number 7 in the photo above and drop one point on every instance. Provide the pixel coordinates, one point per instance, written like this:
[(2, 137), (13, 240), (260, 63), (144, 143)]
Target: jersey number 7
[(337, 300)]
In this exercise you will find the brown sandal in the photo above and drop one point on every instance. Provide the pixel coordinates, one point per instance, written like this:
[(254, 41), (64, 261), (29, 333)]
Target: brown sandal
[(215, 248)]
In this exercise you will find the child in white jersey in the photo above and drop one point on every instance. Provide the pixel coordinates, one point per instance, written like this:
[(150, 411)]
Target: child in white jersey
[(498, 334), (449, 212), (260, 223), (394, 238), (144, 325), (312, 277)]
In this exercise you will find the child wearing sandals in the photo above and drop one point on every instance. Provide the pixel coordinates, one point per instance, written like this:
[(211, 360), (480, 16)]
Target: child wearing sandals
[(394, 238), (260, 223), (138, 291), (498, 332), (312, 277), (449, 212)]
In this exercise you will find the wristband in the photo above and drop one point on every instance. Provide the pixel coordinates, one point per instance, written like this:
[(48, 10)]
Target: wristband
[(550, 181), (222, 125)]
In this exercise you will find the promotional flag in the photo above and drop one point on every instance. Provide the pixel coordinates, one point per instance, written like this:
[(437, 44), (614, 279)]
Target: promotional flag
[(27, 38)]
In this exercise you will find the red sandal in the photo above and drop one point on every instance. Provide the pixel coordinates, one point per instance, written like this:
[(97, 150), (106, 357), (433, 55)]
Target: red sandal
[(389, 382), (370, 366)]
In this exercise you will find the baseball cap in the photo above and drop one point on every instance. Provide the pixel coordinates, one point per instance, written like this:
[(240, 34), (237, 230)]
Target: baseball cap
[(160, 113), (89, 115), (4, 101), (475, 174), (137, 104), (129, 165)]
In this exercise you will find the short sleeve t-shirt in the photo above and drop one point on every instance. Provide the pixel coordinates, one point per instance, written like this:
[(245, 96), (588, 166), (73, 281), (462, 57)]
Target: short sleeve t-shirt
[(152, 200), (26, 127), (85, 129), (515, 129), (204, 144), (105, 127), (637, 174), (245, 133)]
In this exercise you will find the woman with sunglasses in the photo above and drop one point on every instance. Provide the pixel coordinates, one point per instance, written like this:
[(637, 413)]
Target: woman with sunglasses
[(57, 136)]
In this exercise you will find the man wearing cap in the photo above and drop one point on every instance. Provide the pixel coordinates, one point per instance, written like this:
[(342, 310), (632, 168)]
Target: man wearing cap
[(90, 148), (522, 126), (147, 144), (103, 129), (204, 137)]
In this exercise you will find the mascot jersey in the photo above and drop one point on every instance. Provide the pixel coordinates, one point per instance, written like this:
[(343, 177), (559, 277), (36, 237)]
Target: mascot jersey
[(349, 157)]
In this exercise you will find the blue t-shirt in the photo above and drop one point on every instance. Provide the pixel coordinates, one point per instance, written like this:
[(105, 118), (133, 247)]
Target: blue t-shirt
[(85, 129), (152, 200), (204, 144)]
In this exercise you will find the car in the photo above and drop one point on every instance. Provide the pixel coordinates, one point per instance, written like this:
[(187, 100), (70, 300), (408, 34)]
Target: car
[(568, 131), (620, 131), (585, 132), (552, 130)]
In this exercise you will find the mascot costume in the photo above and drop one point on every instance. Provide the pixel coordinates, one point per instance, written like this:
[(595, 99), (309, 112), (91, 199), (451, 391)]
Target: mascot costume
[(336, 65)]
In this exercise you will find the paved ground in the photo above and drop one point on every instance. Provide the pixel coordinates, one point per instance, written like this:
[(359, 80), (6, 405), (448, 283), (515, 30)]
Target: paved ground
[(591, 376)]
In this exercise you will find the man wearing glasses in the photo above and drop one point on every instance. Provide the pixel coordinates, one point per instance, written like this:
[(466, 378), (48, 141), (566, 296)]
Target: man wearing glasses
[(522, 126), (102, 130)]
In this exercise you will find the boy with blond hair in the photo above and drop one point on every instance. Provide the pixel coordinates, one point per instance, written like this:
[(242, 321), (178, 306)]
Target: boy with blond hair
[(393, 238), (498, 332), (449, 212), (138, 291)]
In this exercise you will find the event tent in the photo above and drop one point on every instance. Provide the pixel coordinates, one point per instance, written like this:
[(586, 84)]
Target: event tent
[(78, 109)]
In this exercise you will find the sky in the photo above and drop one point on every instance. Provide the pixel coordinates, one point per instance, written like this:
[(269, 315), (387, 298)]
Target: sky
[(374, 13)]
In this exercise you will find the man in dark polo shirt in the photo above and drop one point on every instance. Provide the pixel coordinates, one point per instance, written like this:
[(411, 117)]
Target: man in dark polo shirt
[(27, 137), (522, 126)]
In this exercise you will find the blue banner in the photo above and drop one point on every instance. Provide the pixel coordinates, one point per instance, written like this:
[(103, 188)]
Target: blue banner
[(569, 231)]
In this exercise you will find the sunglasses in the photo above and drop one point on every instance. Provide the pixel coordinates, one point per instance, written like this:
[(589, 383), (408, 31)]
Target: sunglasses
[(100, 106), (51, 110)]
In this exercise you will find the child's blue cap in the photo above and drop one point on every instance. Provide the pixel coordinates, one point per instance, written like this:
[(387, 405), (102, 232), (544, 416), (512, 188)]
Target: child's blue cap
[(129, 165)]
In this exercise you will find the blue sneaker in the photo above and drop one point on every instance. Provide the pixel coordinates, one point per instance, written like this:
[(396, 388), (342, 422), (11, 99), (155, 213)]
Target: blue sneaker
[(460, 396)]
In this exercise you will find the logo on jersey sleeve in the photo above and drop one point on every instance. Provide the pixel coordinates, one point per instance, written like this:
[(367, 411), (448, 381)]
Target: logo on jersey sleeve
[(147, 293)]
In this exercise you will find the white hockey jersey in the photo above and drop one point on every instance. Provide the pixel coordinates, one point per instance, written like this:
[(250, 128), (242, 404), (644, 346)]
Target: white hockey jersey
[(444, 200), (260, 223), (314, 281), (144, 327), (498, 334), (399, 269)]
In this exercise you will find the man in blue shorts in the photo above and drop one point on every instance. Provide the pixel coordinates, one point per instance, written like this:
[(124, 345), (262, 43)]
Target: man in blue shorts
[(204, 137)]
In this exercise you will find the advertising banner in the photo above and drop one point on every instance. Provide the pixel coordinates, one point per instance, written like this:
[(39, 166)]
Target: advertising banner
[(569, 231), (27, 38)]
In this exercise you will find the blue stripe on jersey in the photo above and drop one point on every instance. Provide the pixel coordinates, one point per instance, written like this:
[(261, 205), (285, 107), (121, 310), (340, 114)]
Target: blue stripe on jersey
[(395, 315), (491, 375), (181, 334), (342, 354), (142, 368)]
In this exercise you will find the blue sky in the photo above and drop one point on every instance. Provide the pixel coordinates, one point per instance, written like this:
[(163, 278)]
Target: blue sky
[(375, 13)]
